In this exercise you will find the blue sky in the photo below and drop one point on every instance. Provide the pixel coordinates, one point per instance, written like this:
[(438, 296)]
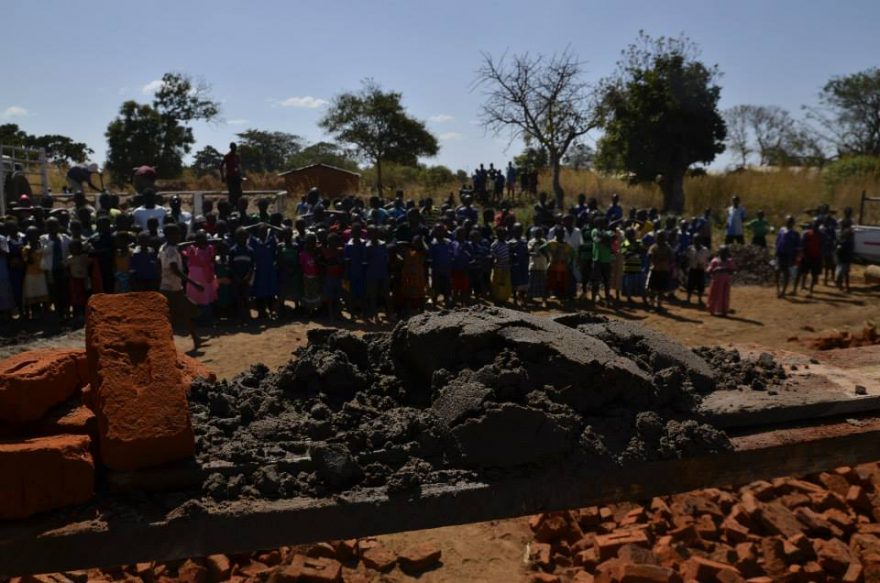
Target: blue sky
[(273, 64)]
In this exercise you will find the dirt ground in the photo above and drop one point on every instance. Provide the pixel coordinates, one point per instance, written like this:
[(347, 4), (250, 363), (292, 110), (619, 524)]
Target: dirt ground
[(494, 551)]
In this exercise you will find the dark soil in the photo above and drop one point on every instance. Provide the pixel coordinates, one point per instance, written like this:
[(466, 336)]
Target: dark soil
[(449, 397)]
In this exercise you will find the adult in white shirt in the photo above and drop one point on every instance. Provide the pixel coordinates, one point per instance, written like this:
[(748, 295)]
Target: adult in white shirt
[(149, 210)]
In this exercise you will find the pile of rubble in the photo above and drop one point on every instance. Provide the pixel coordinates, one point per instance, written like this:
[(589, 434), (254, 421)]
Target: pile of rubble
[(823, 528), (349, 561), (120, 404), (456, 396), (753, 265)]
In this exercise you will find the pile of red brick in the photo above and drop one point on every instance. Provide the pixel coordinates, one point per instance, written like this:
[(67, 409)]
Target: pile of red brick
[(121, 402), (824, 528), (832, 339), (351, 561)]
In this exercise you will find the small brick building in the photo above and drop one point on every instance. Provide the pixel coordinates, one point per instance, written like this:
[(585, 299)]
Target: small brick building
[(333, 182)]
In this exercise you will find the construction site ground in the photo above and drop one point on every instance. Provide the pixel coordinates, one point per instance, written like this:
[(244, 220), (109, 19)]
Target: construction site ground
[(495, 551)]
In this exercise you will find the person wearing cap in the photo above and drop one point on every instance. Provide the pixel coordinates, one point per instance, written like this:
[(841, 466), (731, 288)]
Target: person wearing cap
[(80, 175), (143, 177)]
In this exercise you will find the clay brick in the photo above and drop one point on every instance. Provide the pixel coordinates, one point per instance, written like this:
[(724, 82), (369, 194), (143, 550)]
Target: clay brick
[(815, 523), (586, 559), (270, 558), (582, 577), (191, 369), (636, 554), (834, 482), (379, 559), (588, 517), (545, 578), (733, 531), (45, 473), (219, 567), (773, 555), (706, 527), (32, 382), (303, 569), (192, 572), (760, 580), (853, 574), (539, 553), (646, 573), (550, 528), (858, 499), (813, 571), (322, 550), (69, 418), (254, 569), (834, 556), (346, 550), (777, 519), (668, 552), (701, 569), (840, 519), (747, 559), (730, 577), (143, 417), (419, 557), (607, 545)]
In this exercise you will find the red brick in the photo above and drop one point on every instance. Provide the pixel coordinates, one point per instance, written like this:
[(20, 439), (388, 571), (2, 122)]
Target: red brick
[(668, 552), (733, 531), (32, 382), (586, 558), (858, 499), (774, 556), (379, 559), (813, 571), (143, 417), (588, 517), (549, 528), (270, 558), (747, 559), (322, 550), (582, 577), (834, 556), (253, 569), (419, 557), (730, 577), (191, 369), (545, 578), (701, 569), (45, 473), (834, 482), (219, 567), (636, 554), (853, 574), (815, 523), (760, 580), (646, 573), (607, 545), (840, 519), (539, 553), (706, 527), (777, 519), (70, 418), (303, 569), (192, 572)]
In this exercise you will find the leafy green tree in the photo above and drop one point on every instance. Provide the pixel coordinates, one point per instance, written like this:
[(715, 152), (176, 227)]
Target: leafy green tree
[(849, 113), (206, 161), (323, 153), (543, 101), (532, 158), (376, 124), (60, 150), (660, 115), (158, 134), (433, 177), (263, 151)]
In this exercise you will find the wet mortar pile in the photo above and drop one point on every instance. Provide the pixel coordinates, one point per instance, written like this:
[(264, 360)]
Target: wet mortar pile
[(458, 396)]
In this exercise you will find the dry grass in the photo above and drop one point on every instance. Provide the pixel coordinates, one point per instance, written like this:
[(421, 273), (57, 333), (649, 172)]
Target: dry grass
[(778, 192)]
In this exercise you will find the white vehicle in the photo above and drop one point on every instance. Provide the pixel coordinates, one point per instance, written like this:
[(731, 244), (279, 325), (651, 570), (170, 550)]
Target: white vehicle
[(867, 237)]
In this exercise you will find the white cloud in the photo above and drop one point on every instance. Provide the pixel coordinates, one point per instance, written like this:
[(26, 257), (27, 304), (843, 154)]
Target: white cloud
[(152, 87), (441, 118), (306, 102), (450, 136), (14, 111), (236, 122)]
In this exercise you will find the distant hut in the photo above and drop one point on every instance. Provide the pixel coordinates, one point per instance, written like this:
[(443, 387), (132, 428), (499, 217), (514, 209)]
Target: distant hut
[(333, 182)]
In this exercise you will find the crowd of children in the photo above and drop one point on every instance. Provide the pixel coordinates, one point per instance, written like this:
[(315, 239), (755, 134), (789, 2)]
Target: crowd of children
[(374, 256)]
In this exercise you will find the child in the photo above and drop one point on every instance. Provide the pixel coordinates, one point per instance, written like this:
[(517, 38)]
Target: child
[(633, 261), (144, 265), (223, 273), (289, 271), (461, 259), (697, 261), (843, 254), (478, 270), (721, 269), (759, 228), (171, 284), (440, 257), (376, 273), (264, 287), (519, 264), (660, 256), (501, 284), (199, 258), (538, 264), (559, 270), (332, 260), (355, 267), (36, 288), (412, 274), (308, 261), (121, 263), (241, 267), (78, 276)]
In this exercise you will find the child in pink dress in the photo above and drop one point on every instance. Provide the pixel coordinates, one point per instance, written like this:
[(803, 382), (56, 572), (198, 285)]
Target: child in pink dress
[(200, 264), (721, 270)]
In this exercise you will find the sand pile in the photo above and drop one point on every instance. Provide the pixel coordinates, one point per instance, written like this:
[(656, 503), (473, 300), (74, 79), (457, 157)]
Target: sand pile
[(452, 396)]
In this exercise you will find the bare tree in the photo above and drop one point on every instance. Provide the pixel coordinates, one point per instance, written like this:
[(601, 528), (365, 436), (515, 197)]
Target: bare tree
[(538, 99), (738, 137), (770, 124)]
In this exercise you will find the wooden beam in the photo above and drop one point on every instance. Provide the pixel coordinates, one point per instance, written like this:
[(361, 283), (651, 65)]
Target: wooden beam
[(112, 532)]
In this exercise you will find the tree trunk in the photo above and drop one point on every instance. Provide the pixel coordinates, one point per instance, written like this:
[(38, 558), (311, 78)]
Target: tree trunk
[(379, 177), (557, 186), (672, 186)]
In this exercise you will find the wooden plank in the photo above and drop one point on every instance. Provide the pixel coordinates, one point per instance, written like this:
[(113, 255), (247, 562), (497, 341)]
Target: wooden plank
[(110, 533)]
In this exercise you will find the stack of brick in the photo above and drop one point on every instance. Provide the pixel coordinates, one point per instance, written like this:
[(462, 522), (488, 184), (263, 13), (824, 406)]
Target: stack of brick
[(121, 402), (824, 528), (350, 561)]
